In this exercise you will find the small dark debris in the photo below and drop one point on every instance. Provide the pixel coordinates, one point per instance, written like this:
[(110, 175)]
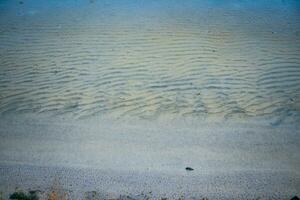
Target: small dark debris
[(92, 195), (295, 198), (189, 169), (21, 2), (34, 192)]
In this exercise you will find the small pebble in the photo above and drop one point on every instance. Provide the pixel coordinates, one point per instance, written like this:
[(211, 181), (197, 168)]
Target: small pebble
[(189, 169)]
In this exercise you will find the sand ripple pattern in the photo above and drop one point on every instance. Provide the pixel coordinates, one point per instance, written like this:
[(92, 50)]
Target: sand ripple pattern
[(149, 62)]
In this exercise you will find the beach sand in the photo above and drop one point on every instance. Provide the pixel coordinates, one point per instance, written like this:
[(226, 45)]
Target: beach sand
[(231, 160)]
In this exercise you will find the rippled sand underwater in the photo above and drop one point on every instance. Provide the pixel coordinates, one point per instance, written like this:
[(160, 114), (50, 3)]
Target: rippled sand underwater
[(149, 59)]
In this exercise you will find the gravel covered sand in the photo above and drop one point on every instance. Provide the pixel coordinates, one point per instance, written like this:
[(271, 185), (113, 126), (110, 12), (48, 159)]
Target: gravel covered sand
[(245, 159)]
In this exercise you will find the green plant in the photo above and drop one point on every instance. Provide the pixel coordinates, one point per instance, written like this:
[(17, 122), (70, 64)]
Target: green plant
[(23, 196)]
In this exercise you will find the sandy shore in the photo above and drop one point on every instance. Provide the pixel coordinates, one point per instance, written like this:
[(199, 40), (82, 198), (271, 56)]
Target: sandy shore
[(230, 159), (178, 65)]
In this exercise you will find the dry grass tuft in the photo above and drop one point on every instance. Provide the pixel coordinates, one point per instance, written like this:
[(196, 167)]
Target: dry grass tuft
[(57, 192), (53, 196), (57, 195)]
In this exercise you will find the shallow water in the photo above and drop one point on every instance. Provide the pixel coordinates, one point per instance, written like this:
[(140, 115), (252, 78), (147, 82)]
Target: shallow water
[(149, 59)]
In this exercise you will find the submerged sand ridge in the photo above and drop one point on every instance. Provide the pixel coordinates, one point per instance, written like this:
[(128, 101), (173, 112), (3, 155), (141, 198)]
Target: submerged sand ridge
[(150, 60)]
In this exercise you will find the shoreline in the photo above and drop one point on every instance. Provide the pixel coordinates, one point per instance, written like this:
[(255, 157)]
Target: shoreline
[(139, 99)]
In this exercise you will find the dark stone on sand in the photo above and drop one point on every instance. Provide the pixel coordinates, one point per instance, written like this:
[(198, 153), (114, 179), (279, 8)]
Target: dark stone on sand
[(295, 198), (189, 169)]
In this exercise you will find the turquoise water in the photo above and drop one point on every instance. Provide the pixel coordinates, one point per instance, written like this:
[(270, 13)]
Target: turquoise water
[(150, 59)]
